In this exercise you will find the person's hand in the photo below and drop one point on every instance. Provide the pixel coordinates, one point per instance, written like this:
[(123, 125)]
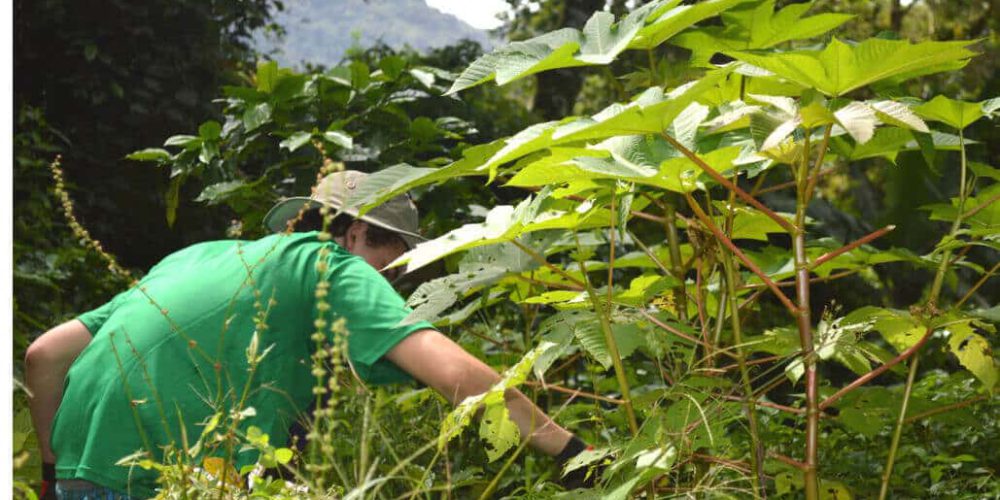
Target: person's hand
[(47, 491), (581, 477)]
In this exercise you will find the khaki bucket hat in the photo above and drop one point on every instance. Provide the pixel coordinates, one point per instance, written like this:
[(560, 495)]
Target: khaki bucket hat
[(336, 191)]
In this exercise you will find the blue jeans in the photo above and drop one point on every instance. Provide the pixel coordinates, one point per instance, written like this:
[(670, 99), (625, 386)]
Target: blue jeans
[(77, 489)]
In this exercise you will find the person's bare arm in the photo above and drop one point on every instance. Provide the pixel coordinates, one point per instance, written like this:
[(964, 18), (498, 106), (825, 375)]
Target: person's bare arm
[(437, 361), (45, 365)]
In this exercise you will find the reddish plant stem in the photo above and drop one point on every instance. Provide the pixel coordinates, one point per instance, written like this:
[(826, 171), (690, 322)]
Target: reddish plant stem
[(788, 284), (975, 210), (989, 274), (789, 409), (753, 362), (644, 215), (549, 284), (733, 464), (790, 461), (946, 408), (785, 185), (483, 337), (803, 193), (653, 319), (572, 359), (680, 269), (727, 184), (740, 255), (811, 185), (541, 260), (851, 246), (760, 182), (573, 392), (961, 253), (649, 253), (864, 379), (654, 200), (756, 295), (769, 387), (804, 321), (634, 213), (700, 303)]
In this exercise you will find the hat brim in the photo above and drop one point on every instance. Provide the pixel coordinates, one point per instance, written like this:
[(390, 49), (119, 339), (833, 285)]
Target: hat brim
[(288, 209)]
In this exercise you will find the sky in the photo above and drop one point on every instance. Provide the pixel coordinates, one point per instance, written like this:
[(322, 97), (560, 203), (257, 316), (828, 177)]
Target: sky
[(481, 14)]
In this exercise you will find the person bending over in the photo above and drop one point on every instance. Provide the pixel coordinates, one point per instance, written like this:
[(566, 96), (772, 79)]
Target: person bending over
[(159, 359)]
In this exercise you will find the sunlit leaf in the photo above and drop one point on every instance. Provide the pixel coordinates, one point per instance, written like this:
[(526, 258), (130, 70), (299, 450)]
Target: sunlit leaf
[(757, 26), (499, 431), (974, 352), (840, 68), (951, 112), (670, 19)]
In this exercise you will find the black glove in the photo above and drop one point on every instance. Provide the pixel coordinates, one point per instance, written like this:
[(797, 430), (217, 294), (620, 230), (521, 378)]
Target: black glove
[(581, 477), (47, 491)]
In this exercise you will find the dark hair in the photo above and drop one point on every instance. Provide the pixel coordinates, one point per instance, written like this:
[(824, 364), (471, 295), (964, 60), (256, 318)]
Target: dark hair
[(376, 236)]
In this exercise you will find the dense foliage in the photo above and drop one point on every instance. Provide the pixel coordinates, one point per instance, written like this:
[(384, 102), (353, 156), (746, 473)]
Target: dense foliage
[(753, 256)]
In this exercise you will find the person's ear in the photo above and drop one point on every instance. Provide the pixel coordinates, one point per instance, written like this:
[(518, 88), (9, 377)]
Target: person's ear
[(356, 230)]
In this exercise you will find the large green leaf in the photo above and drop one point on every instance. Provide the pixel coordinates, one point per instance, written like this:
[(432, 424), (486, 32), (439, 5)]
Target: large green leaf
[(951, 112), (650, 113), (496, 427), (586, 329), (986, 220), (749, 223), (502, 224), (549, 51), (603, 40), (505, 223), (888, 142), (898, 328), (670, 19), (600, 42), (401, 178), (868, 410), (840, 68), (639, 159), (974, 352), (479, 267), (750, 27)]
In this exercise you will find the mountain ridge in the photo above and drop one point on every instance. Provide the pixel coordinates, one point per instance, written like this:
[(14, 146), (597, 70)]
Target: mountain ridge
[(321, 31)]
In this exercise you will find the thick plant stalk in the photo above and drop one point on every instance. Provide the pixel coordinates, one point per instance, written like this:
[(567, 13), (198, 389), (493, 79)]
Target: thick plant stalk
[(932, 300), (755, 443), (898, 431), (803, 318), (804, 322), (680, 293), (715, 175), (730, 297), (703, 217), (609, 338)]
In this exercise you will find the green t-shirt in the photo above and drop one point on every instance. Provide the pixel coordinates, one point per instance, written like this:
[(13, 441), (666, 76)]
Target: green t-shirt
[(176, 346)]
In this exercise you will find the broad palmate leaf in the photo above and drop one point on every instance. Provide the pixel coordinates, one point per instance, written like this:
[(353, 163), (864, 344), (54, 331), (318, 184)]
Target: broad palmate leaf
[(500, 433), (951, 112), (599, 43), (751, 27), (840, 68)]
